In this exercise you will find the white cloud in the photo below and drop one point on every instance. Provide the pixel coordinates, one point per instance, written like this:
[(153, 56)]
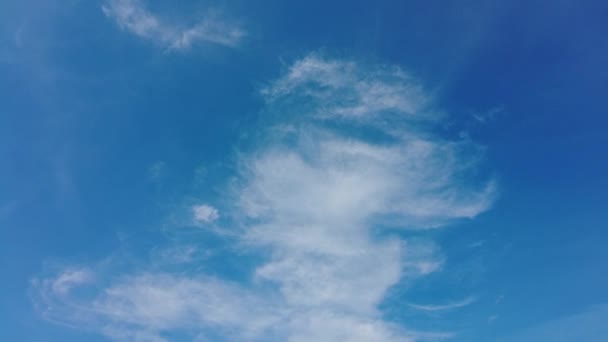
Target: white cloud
[(343, 88), (132, 16), (444, 307), (160, 302), (204, 213), (310, 199), (141, 306), (70, 279), (180, 254)]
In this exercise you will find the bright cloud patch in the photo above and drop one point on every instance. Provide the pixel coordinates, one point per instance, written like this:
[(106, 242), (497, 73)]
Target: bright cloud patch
[(350, 160), (205, 213), (132, 16)]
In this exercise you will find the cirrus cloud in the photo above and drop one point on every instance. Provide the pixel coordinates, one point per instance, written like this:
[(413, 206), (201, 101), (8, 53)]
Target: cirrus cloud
[(345, 165), (132, 15)]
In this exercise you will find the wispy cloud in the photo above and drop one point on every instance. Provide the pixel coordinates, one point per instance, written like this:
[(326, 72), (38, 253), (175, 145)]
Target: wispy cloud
[(444, 307), (157, 171), (361, 93), (342, 159), (69, 279), (489, 115), (138, 307), (132, 15)]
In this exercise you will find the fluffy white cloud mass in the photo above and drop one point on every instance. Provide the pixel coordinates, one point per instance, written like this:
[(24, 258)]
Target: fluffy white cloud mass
[(349, 160)]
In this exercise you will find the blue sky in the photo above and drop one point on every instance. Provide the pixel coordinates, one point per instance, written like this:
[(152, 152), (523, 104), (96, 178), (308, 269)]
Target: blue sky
[(303, 171)]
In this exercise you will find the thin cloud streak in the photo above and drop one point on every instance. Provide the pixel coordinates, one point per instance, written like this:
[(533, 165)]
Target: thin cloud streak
[(444, 307)]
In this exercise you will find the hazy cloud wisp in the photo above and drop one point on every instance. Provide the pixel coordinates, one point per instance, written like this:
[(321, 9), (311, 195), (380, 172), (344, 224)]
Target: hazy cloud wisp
[(132, 15)]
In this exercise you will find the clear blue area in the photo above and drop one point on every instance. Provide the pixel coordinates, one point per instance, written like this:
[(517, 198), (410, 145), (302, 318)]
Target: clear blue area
[(86, 109)]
